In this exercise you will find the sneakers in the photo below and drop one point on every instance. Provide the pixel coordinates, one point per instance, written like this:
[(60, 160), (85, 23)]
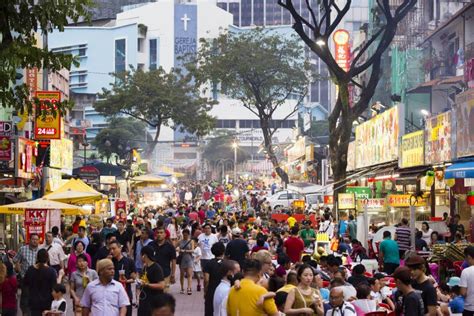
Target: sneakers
[(199, 288)]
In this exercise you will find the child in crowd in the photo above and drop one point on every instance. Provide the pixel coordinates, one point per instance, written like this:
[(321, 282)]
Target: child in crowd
[(58, 306), (197, 263), (284, 265)]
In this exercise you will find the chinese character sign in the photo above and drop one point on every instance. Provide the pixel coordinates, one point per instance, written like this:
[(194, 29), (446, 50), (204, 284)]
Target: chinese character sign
[(412, 154), (342, 50), (48, 127), (35, 222)]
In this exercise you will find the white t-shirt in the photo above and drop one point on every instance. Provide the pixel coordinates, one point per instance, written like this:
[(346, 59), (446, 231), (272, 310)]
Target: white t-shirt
[(197, 262), (206, 243), (467, 281), (56, 304)]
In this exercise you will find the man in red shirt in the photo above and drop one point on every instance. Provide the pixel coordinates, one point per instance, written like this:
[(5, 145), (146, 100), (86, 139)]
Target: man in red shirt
[(202, 214), (294, 246)]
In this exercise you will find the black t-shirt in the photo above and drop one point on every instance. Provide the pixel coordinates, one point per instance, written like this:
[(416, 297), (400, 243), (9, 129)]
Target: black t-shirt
[(213, 269), (355, 280), (427, 292), (126, 264), (123, 238), (413, 305), (154, 274), (40, 282), (236, 250), (164, 254)]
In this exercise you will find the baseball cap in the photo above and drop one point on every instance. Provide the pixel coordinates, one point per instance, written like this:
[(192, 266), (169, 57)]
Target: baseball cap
[(236, 231), (453, 281), (414, 260)]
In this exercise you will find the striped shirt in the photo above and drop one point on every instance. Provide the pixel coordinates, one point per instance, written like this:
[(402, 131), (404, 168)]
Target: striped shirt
[(403, 238), (26, 256)]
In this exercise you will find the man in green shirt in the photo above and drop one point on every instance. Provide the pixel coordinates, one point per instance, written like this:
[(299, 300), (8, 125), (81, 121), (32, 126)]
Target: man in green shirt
[(307, 234), (388, 253)]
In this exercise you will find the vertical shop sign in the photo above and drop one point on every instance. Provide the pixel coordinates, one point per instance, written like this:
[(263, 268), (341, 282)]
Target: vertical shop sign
[(341, 41), (35, 222), (6, 133), (48, 127)]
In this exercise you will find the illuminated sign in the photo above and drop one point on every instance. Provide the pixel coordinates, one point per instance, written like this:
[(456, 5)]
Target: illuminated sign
[(412, 154), (342, 51), (345, 201), (25, 158), (48, 127), (6, 132)]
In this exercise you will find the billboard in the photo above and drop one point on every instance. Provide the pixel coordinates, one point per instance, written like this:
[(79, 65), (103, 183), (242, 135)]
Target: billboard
[(346, 201), (377, 139), (438, 138), (25, 153), (61, 152), (342, 50), (48, 127), (351, 156), (465, 124), (412, 150), (6, 133)]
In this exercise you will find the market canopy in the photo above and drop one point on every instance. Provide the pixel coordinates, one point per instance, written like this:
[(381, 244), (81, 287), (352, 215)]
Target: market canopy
[(149, 178), (42, 204), (75, 191), (460, 170)]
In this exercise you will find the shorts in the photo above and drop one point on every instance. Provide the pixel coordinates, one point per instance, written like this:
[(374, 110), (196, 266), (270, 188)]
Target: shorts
[(197, 274)]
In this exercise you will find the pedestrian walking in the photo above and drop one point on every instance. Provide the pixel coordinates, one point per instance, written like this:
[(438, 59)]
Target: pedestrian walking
[(152, 282), (124, 270), (185, 260), (79, 280), (165, 256)]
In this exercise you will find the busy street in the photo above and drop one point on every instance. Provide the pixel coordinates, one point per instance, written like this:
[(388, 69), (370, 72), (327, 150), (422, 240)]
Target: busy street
[(236, 157)]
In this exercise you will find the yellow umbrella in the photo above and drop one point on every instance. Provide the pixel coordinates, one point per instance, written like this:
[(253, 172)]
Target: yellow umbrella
[(149, 178), (42, 204), (74, 197), (76, 185)]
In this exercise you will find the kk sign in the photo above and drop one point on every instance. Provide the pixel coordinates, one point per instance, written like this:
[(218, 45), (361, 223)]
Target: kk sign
[(185, 32), (342, 51), (48, 127)]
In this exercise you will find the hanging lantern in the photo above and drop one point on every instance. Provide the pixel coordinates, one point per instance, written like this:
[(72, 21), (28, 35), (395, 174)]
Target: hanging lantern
[(298, 167), (429, 178), (450, 182), (470, 198)]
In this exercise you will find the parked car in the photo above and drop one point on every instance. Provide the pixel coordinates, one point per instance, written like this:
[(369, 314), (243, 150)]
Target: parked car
[(283, 199)]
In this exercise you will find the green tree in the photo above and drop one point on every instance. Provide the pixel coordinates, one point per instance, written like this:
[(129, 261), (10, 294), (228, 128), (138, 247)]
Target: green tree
[(260, 69), (121, 135), (364, 72), (158, 98), (19, 20), (319, 128), (219, 147)]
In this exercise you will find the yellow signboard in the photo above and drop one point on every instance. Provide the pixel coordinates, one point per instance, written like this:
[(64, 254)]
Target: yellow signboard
[(412, 154), (48, 127), (404, 200), (346, 201), (61, 152)]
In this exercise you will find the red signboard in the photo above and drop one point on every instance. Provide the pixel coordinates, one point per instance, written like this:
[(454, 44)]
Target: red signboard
[(89, 173), (6, 132), (35, 222), (48, 127), (328, 199), (120, 206), (342, 51), (26, 153)]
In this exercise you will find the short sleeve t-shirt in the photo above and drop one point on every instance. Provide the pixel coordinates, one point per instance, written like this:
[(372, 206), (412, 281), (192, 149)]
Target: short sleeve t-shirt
[(306, 234), (152, 274), (80, 281), (291, 221), (390, 251), (427, 292), (413, 305), (206, 242), (403, 238), (294, 247), (236, 250), (467, 281)]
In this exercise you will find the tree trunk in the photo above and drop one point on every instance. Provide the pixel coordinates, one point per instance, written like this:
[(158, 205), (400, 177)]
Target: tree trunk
[(270, 152), (340, 129), (150, 146)]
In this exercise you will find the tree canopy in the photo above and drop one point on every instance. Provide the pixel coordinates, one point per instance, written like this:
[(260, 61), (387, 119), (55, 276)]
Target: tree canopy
[(121, 135), (261, 69), (158, 98), (363, 72), (19, 20), (219, 146)]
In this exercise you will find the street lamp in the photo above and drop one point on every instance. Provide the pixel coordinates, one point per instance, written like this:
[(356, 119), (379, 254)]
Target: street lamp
[(320, 41), (235, 145), (85, 144)]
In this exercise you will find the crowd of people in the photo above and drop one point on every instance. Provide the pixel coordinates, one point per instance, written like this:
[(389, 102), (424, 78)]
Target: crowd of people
[(244, 263)]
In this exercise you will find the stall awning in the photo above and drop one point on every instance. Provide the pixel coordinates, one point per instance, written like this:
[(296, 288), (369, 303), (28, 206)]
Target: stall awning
[(460, 170)]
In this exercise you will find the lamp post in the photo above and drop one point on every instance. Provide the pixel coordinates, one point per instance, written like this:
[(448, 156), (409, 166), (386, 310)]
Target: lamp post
[(235, 145), (85, 144)]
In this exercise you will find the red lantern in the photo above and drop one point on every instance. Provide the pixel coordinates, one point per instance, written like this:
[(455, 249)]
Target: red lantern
[(274, 174), (298, 167), (470, 198)]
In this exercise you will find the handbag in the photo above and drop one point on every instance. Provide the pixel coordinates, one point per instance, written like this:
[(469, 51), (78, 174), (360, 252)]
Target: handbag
[(180, 256)]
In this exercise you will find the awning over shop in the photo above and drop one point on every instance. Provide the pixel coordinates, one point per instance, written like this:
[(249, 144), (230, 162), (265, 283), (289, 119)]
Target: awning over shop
[(75, 191), (42, 204), (460, 170)]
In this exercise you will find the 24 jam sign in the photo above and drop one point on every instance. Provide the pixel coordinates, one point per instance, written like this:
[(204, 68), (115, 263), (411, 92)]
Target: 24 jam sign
[(48, 127)]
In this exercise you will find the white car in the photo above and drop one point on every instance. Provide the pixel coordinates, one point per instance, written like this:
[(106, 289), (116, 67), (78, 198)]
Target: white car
[(283, 199)]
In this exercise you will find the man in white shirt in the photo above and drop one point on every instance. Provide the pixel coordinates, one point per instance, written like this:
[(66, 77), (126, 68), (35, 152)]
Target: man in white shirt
[(228, 269), (206, 240), (55, 252), (339, 306), (467, 282)]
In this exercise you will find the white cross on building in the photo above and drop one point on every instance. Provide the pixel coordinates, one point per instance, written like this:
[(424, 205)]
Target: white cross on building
[(185, 20)]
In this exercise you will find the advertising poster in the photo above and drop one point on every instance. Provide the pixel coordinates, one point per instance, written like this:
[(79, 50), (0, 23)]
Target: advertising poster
[(377, 139), (26, 158), (412, 151), (403, 200), (345, 201), (35, 223), (465, 124), (6, 133), (438, 139), (61, 155), (48, 127)]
